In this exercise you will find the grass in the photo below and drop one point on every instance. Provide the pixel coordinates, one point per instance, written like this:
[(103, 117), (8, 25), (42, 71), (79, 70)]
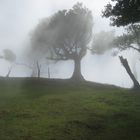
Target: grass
[(32, 109)]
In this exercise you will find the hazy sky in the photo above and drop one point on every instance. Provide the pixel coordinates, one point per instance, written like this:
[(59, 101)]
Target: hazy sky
[(19, 17)]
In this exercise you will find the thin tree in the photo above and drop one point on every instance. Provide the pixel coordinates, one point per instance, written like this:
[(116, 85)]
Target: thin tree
[(124, 62), (9, 56)]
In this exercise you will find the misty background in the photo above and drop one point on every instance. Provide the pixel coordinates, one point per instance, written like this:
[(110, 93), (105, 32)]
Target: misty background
[(19, 18)]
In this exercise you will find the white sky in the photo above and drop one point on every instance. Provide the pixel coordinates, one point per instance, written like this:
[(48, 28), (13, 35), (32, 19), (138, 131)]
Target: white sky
[(19, 17)]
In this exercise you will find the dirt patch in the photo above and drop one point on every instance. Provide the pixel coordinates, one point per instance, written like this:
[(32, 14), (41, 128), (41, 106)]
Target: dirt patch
[(3, 113), (87, 125)]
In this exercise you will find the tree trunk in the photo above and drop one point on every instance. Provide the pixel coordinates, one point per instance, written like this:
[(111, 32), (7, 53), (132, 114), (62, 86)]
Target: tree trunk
[(49, 76), (38, 69), (77, 70), (127, 68), (9, 71)]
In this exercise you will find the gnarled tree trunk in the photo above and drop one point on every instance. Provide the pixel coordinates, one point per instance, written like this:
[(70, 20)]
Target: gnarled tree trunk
[(127, 68), (77, 70)]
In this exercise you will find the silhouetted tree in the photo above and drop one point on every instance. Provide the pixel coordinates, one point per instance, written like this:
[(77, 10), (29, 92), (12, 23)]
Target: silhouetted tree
[(36, 56), (38, 69), (66, 35), (128, 70), (131, 39), (9, 56), (35, 67), (106, 40), (123, 12)]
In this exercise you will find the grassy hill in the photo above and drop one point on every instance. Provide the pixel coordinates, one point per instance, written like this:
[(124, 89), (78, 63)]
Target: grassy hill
[(32, 109)]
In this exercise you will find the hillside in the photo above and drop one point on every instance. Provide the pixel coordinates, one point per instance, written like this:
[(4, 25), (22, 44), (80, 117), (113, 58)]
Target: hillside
[(32, 109)]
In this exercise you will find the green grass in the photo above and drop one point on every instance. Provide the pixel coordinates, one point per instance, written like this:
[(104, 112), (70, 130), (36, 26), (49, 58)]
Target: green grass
[(32, 109)]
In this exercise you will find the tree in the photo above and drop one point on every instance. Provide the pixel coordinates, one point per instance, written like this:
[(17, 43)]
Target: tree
[(124, 62), (65, 36), (36, 69), (106, 40), (9, 56), (102, 41), (131, 39), (123, 12)]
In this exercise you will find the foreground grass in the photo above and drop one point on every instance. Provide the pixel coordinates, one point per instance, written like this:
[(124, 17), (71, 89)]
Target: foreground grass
[(66, 110)]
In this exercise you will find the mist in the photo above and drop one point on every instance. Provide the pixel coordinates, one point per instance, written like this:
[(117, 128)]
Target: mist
[(69, 70), (20, 19)]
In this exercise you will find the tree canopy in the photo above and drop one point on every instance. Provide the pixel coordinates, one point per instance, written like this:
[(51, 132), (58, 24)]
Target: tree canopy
[(65, 35), (8, 55), (130, 39), (123, 12), (102, 41)]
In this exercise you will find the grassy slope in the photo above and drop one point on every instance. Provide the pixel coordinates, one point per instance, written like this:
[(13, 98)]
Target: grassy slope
[(66, 110)]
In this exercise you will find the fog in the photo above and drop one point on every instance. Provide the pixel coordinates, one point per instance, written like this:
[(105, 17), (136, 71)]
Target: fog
[(19, 18)]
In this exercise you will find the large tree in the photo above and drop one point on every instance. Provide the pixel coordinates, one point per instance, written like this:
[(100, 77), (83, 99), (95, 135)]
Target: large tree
[(129, 40), (66, 36), (107, 40), (123, 12)]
